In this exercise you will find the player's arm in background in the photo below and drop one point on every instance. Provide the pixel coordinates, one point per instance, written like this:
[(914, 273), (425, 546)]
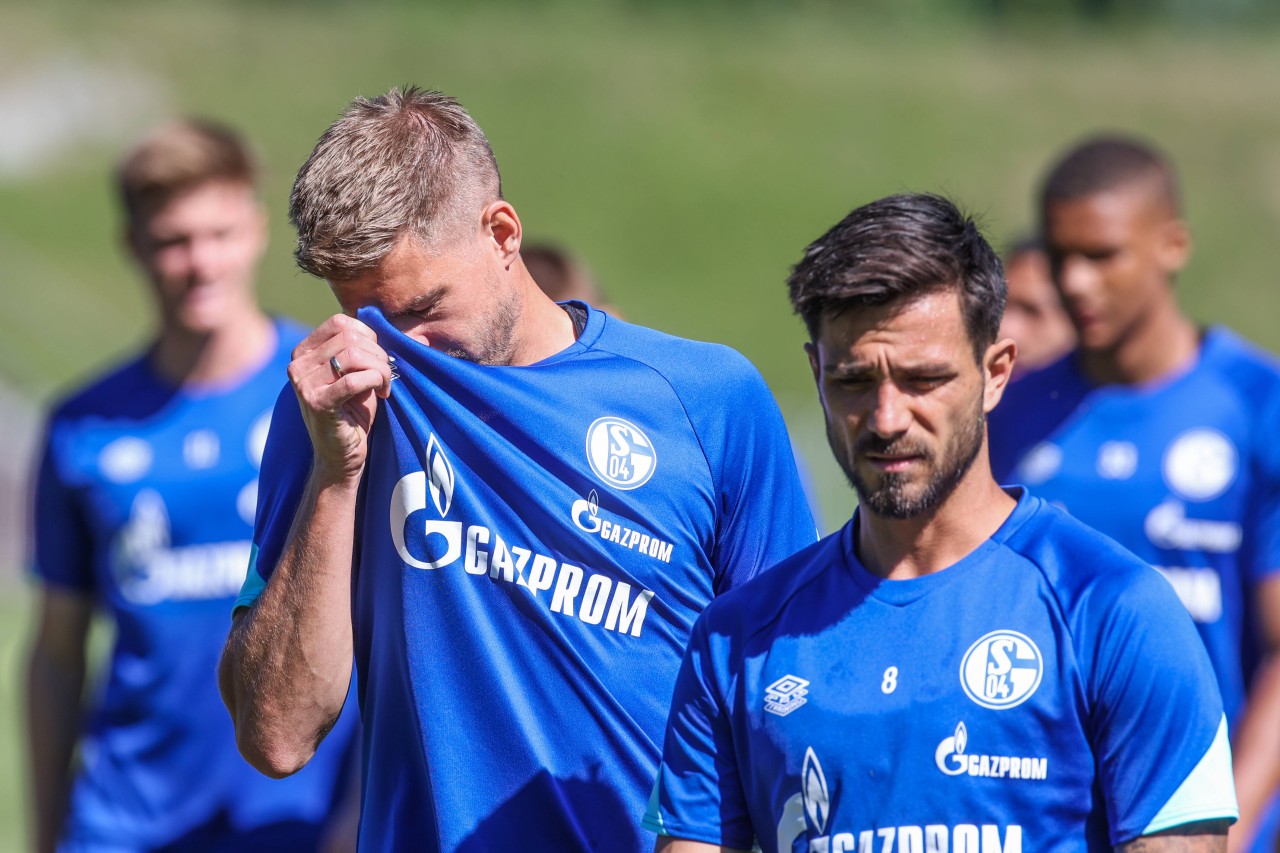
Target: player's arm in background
[(56, 664), (667, 844), (1257, 736), (286, 666), (55, 686)]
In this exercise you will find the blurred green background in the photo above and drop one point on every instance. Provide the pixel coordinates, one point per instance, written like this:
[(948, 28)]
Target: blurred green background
[(688, 152)]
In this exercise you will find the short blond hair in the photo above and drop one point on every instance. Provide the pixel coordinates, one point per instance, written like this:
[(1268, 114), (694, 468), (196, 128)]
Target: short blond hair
[(177, 157), (409, 162)]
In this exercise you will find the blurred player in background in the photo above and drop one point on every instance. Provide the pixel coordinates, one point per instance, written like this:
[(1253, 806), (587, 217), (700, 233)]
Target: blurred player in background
[(961, 667), (1033, 316), (144, 511), (562, 276), (529, 517), (1156, 432)]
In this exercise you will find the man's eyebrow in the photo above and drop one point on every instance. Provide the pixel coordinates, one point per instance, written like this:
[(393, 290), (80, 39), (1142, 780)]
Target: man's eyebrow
[(854, 368)]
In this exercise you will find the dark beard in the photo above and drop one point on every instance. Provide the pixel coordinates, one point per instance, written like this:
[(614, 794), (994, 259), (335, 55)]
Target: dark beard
[(891, 498)]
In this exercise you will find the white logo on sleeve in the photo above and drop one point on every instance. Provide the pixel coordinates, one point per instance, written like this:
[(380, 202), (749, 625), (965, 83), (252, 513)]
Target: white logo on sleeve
[(1117, 460), (201, 449), (1001, 670), (1200, 464), (125, 460), (620, 453), (785, 695), (1041, 462)]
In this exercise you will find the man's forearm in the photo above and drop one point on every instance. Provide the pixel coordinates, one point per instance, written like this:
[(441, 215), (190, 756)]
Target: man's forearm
[(1201, 837), (53, 711), (287, 664)]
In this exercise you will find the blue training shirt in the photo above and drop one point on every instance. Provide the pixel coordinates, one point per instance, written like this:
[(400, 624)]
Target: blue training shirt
[(1184, 472), (1045, 693), (534, 545), (145, 501)]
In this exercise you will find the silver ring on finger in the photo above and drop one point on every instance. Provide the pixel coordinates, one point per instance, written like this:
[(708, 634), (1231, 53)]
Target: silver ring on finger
[(337, 367)]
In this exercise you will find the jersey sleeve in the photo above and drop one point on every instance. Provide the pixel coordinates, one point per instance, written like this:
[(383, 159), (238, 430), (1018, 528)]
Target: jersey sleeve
[(1160, 734), (286, 464), (698, 794), (62, 544), (764, 515)]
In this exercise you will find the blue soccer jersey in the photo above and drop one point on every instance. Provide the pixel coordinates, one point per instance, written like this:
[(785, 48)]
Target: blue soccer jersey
[(534, 545), (1045, 693), (145, 502), (1185, 473)]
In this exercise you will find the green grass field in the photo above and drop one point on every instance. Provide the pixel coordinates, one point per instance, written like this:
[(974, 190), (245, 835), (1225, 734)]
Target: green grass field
[(688, 156)]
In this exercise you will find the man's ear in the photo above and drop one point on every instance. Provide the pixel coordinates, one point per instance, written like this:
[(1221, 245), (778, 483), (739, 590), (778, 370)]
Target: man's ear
[(812, 351), (502, 225), (1175, 246), (997, 368)]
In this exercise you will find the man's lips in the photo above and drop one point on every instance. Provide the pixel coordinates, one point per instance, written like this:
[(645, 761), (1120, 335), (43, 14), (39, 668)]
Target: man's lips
[(891, 463)]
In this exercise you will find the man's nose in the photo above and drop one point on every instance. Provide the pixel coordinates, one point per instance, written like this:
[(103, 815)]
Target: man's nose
[(204, 256), (891, 415), (1075, 277)]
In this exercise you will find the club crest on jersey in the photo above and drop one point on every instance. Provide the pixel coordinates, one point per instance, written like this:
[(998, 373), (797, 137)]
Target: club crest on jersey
[(1200, 464), (1001, 670), (785, 695), (620, 453)]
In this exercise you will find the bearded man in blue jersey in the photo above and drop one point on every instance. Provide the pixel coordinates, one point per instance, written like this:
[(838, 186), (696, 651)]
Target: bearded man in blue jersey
[(1157, 432), (511, 510), (144, 511), (962, 667)]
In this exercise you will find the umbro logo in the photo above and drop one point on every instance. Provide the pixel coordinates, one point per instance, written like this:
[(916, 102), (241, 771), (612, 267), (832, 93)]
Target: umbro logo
[(785, 695)]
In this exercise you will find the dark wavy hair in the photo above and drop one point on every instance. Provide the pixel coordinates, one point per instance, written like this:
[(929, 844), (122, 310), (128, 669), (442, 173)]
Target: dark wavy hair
[(894, 250)]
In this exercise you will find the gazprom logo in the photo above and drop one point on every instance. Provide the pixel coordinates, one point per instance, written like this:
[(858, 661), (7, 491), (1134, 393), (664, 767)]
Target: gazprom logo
[(817, 800), (1001, 670), (410, 496), (439, 477), (620, 453), (949, 755)]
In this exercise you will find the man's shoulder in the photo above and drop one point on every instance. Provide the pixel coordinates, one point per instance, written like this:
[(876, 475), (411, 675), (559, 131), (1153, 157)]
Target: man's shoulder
[(786, 588), (1231, 360), (683, 362), (1083, 568), (109, 393)]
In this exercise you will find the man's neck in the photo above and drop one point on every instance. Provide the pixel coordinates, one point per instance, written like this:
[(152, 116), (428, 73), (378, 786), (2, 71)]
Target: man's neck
[(1163, 344), (183, 357), (544, 329), (898, 549)]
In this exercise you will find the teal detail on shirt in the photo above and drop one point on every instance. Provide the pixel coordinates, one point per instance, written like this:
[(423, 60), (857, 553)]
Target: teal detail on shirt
[(1206, 794), (253, 583), (653, 814)]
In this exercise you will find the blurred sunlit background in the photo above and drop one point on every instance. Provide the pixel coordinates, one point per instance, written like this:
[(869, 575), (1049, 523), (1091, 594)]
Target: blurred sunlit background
[(687, 151)]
